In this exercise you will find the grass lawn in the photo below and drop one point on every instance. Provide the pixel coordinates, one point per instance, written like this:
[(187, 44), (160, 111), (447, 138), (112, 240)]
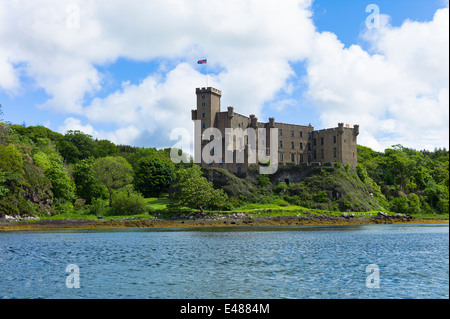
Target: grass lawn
[(157, 207)]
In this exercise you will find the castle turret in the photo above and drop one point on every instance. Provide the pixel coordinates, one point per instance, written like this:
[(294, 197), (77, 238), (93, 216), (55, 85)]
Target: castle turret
[(208, 105)]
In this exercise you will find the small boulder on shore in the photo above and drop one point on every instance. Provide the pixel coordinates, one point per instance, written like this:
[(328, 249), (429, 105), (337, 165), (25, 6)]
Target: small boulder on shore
[(382, 215)]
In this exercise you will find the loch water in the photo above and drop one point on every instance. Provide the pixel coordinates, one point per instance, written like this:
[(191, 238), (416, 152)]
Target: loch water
[(298, 262)]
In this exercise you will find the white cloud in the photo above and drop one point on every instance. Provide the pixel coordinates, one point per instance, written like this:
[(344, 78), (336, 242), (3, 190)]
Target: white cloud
[(9, 80), (396, 91), (124, 135)]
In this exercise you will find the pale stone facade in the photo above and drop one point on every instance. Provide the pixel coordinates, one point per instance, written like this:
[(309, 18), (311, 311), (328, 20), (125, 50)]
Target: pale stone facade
[(296, 143)]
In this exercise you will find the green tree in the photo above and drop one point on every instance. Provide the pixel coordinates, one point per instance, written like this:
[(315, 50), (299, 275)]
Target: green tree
[(106, 148), (153, 176), (113, 172), (194, 190), (11, 159), (87, 185), (3, 189), (77, 145), (63, 186), (399, 164)]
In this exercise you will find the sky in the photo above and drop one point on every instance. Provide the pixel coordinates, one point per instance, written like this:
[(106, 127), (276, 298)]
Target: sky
[(126, 71)]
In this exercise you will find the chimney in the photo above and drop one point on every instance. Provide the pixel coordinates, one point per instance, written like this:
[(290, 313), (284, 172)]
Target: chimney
[(230, 111)]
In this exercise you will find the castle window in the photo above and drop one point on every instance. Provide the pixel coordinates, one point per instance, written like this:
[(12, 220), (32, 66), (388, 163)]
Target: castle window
[(281, 143), (334, 152), (345, 141), (292, 133), (203, 125), (203, 115), (281, 157), (321, 153), (334, 139), (301, 146), (314, 141), (301, 134), (314, 154), (239, 169), (301, 158), (292, 145), (203, 103), (309, 146), (281, 132), (203, 97), (293, 158), (309, 134), (321, 141)]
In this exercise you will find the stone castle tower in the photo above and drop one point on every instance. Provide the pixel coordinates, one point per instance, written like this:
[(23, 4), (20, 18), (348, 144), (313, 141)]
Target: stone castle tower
[(297, 144)]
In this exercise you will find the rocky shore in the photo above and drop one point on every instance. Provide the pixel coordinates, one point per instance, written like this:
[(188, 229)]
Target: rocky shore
[(222, 220)]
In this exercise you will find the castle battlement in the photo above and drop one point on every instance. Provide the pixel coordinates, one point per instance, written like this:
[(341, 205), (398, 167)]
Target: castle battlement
[(208, 90)]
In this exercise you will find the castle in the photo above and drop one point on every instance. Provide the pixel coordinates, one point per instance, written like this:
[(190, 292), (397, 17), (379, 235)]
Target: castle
[(296, 143)]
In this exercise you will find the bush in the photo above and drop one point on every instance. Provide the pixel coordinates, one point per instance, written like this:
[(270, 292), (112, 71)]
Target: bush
[(98, 206), (127, 202), (263, 180), (442, 206), (321, 197), (64, 208), (280, 188), (400, 205)]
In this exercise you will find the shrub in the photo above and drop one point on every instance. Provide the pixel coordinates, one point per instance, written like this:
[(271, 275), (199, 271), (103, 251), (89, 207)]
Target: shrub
[(442, 206), (400, 205), (280, 188), (127, 202), (321, 197), (98, 206), (64, 208)]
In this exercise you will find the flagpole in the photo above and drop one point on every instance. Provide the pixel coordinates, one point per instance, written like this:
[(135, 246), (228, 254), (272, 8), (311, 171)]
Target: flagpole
[(206, 73), (204, 61)]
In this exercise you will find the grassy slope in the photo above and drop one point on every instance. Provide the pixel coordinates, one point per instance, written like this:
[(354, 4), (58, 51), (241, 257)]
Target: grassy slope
[(158, 209)]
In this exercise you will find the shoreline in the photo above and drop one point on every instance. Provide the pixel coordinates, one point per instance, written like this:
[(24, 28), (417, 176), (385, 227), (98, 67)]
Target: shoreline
[(127, 223)]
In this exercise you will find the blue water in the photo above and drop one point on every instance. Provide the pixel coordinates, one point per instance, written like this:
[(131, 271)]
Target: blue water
[(273, 263)]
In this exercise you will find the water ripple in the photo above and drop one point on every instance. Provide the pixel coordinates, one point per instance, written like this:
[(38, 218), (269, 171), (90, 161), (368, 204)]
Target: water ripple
[(297, 262)]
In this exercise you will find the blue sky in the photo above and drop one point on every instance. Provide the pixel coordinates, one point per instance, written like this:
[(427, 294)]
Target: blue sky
[(128, 72)]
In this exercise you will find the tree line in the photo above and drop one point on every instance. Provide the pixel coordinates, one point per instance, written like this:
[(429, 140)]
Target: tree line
[(45, 172)]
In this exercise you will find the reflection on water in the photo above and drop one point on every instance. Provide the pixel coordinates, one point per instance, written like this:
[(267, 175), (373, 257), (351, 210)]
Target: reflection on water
[(229, 262)]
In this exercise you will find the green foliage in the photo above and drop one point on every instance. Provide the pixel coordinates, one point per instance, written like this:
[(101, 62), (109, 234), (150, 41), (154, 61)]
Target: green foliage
[(42, 171), (421, 175), (11, 159), (77, 146), (3, 189), (63, 186), (321, 197), (280, 188), (64, 208), (87, 185), (113, 172), (128, 202), (194, 190), (263, 181), (153, 176), (98, 206), (106, 148)]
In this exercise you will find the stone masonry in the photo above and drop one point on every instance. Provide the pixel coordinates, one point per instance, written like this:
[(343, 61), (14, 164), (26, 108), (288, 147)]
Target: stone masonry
[(297, 144)]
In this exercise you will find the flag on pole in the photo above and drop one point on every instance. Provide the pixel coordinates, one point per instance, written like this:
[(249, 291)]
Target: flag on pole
[(201, 61)]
